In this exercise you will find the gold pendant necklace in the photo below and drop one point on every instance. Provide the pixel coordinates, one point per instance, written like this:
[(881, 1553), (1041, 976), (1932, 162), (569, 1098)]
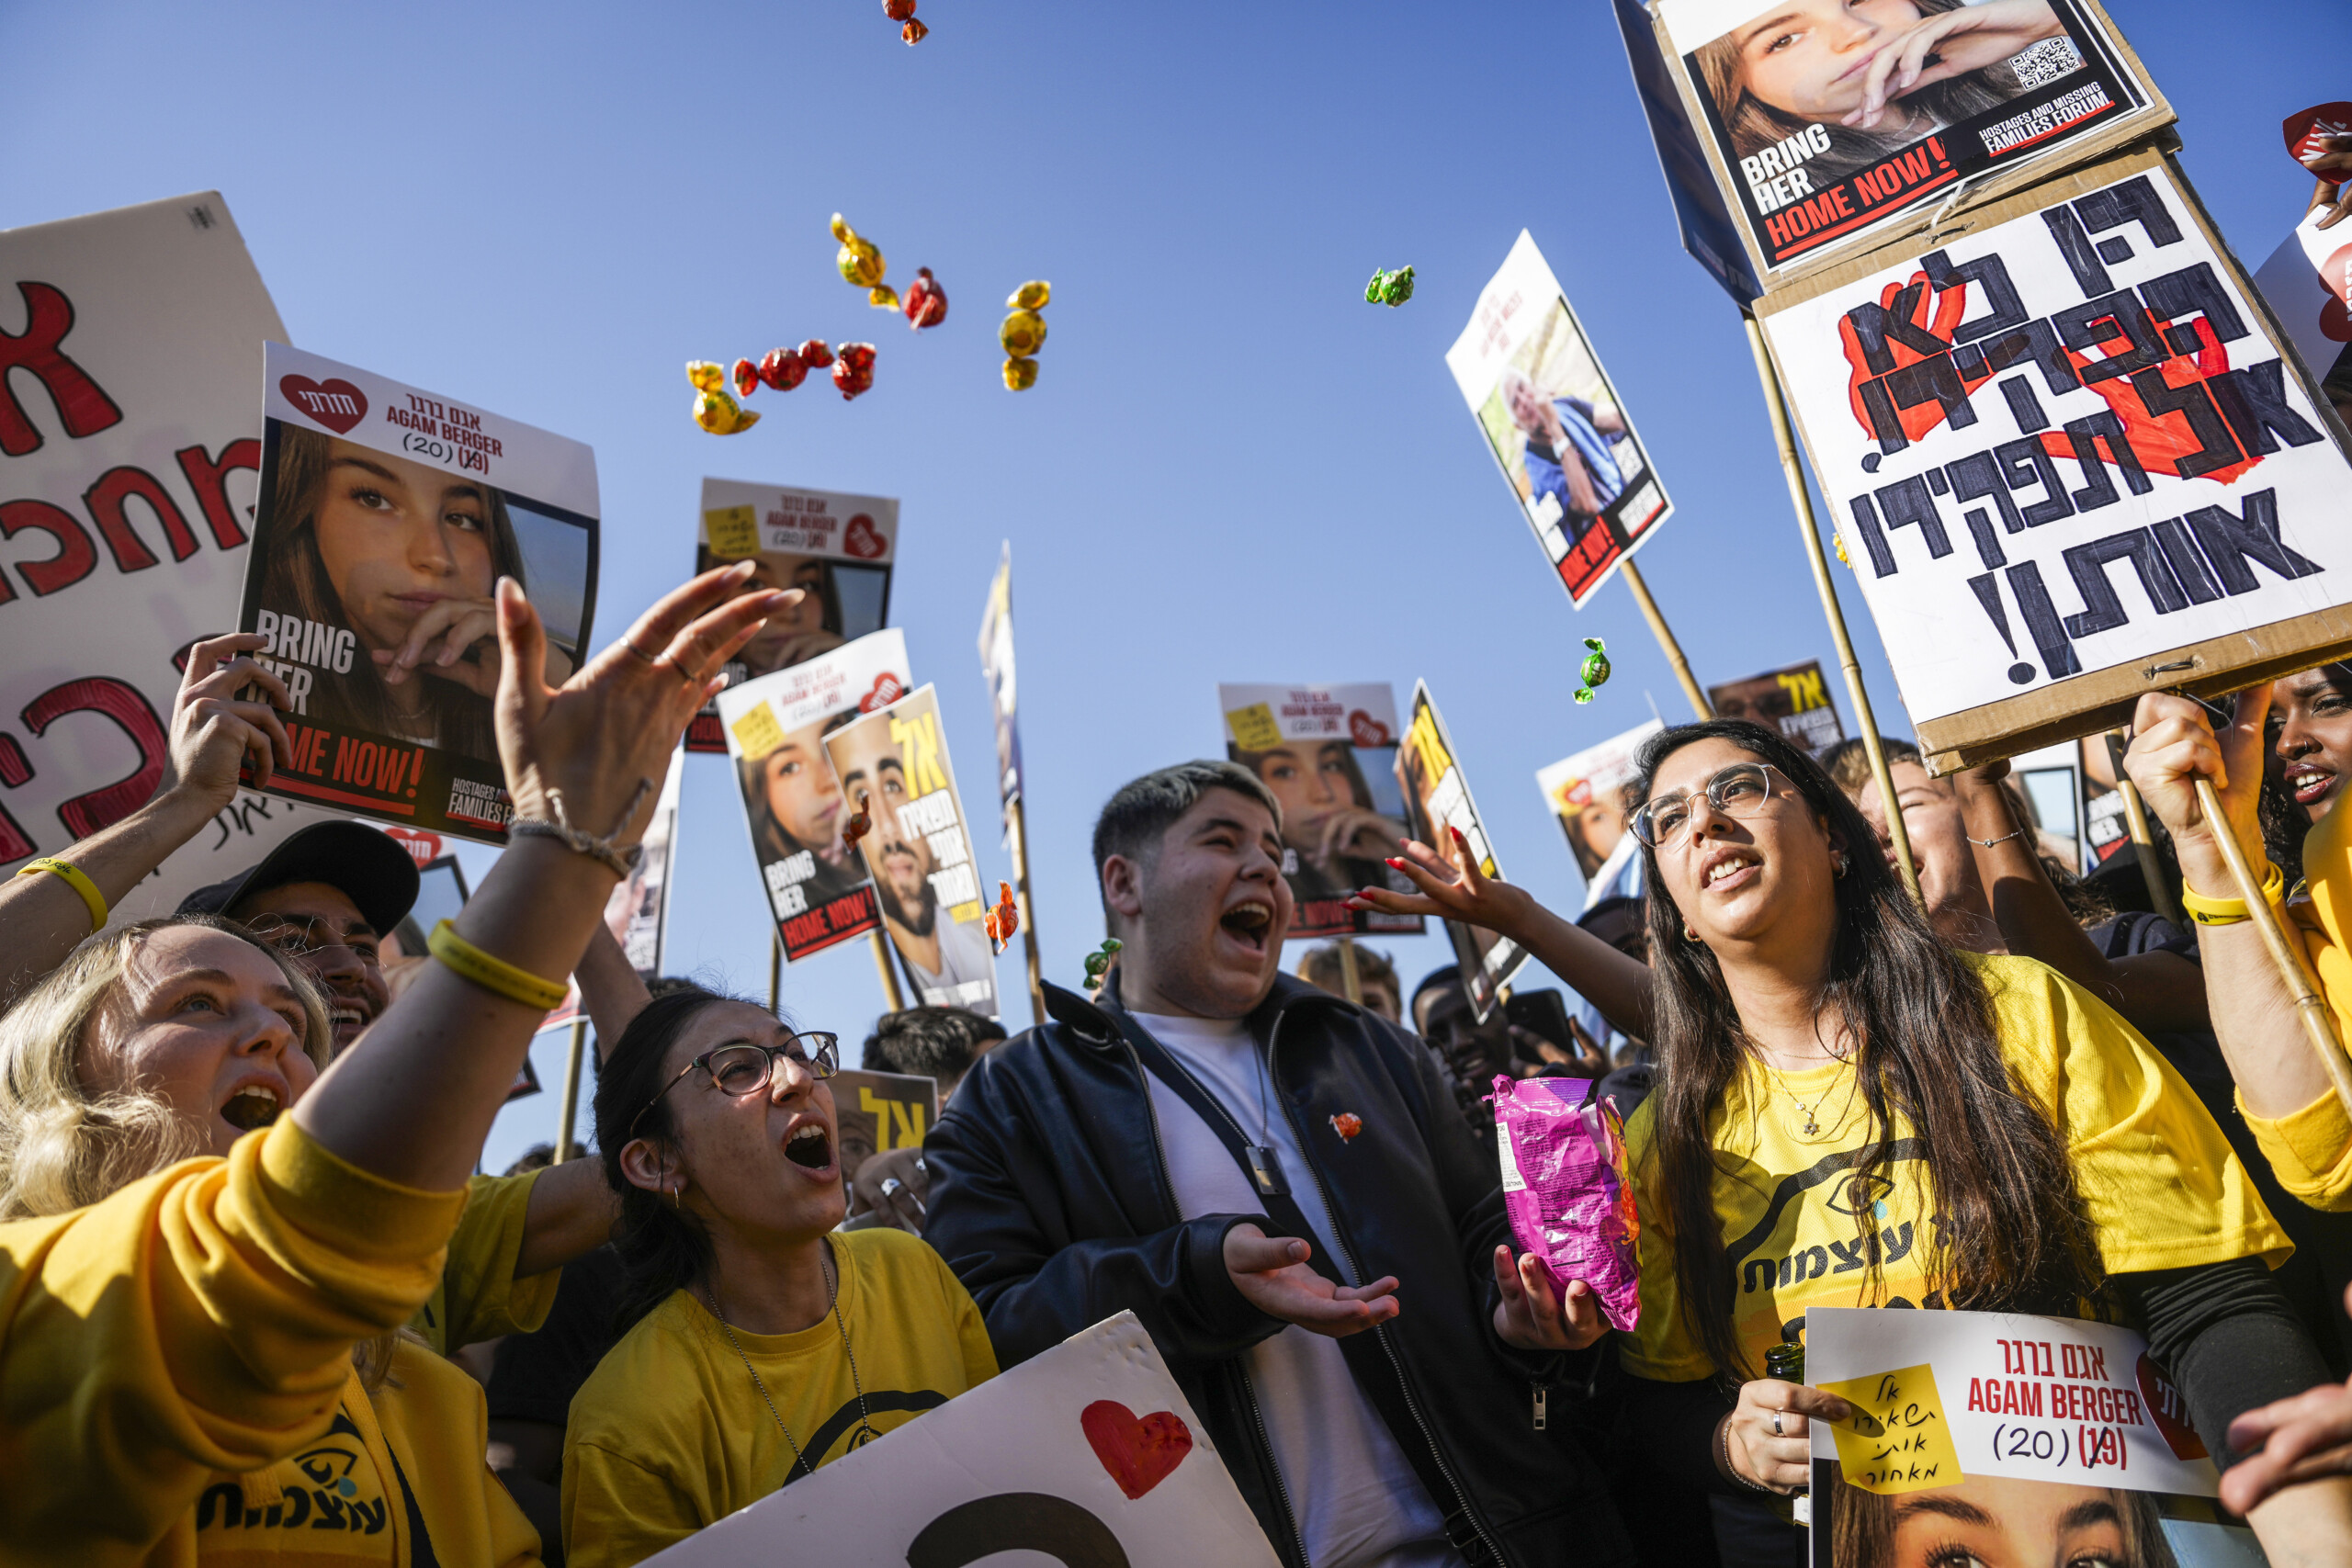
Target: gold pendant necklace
[(864, 1432)]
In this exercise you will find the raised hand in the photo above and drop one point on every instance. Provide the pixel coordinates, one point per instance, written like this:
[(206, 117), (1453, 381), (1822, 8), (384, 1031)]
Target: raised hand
[(1533, 1317), (1451, 887), (2173, 746), (214, 732), (1272, 1273)]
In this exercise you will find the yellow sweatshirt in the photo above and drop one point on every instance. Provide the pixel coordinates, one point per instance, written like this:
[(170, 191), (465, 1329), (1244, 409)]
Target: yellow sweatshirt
[(478, 1296), (198, 1321), (670, 1433), (2311, 1150)]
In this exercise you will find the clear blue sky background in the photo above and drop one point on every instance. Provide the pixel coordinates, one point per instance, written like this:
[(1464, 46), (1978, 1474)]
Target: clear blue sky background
[(1231, 469)]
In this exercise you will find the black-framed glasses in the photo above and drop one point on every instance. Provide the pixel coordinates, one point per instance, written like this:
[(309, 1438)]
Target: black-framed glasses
[(741, 1067), (1741, 790)]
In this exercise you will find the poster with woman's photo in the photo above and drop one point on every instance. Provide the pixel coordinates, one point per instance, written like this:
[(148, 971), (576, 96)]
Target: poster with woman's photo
[(1586, 793), (388, 516), (1555, 425), (840, 548), (894, 763), (793, 807), (1328, 753), (1794, 701), (1831, 125), (1437, 804), (1995, 1437)]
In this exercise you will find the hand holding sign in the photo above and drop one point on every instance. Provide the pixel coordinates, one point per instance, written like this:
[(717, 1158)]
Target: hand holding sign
[(213, 734), (1901, 1441), (1768, 1443)]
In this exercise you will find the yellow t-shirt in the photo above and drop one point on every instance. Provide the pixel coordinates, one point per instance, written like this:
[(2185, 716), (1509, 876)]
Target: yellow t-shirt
[(670, 1433), (2161, 1185), (2310, 1150), (479, 1297)]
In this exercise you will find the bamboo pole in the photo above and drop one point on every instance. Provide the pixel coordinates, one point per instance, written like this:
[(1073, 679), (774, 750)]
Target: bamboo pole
[(1664, 635), (1351, 983), (2143, 842), (571, 1089), (1019, 823), (776, 972), (1784, 437), (2285, 952), (890, 992)]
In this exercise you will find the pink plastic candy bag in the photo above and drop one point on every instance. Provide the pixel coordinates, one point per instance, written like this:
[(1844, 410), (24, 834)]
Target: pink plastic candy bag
[(1565, 1187)]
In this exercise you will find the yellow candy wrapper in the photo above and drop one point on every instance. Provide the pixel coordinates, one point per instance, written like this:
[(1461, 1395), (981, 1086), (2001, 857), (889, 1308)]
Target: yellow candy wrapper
[(1022, 334), (721, 415), (1031, 296), (1020, 374), (707, 376)]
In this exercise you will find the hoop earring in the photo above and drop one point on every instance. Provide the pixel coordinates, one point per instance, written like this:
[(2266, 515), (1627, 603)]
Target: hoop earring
[(1688, 935), (672, 1191), (1838, 865)]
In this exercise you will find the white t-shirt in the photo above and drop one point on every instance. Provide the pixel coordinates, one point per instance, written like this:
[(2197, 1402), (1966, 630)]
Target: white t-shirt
[(1356, 1498)]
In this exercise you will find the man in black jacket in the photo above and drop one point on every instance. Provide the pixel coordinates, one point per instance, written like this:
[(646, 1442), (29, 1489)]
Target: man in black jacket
[(1278, 1184)]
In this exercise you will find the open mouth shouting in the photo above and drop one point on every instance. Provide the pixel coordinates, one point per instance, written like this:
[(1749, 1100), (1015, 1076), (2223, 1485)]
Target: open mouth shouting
[(2311, 782), (1248, 923), (254, 1105), (809, 1146), (1728, 869)]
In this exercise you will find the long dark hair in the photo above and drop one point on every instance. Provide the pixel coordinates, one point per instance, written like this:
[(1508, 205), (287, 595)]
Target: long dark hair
[(2282, 822), (663, 1249), (294, 580), (2010, 1231)]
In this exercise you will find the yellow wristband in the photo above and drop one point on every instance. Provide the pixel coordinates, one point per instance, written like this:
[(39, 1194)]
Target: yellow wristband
[(493, 974), (94, 900), (2229, 911)]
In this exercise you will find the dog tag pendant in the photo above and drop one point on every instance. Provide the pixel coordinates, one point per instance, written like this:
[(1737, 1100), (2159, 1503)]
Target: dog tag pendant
[(1266, 1172)]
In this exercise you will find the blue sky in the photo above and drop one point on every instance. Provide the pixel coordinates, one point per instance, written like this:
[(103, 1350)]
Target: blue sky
[(1231, 469)]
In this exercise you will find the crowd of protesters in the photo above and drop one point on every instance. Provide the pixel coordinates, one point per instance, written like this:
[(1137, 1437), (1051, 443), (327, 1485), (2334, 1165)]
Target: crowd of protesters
[(244, 1272)]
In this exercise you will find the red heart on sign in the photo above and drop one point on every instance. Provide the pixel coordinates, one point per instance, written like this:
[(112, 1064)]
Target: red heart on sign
[(887, 690), (2307, 132), (1139, 1453), (863, 539), (335, 403), (2169, 1411), (1366, 731)]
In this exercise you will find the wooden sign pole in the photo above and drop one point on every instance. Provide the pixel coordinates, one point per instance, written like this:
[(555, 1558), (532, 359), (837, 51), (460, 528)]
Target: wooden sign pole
[(1020, 847), (890, 992), (570, 1112), (1664, 635), (2143, 842), (1350, 982)]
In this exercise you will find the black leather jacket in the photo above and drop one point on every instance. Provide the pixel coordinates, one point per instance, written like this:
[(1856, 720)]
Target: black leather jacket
[(1049, 1197)]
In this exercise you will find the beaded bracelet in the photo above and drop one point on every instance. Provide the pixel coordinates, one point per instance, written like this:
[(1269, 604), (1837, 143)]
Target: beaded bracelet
[(2208, 911), (73, 877), (493, 974)]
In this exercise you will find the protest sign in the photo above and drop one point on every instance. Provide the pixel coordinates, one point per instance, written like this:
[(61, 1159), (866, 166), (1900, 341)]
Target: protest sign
[(840, 548), (638, 911), (1328, 753), (127, 462), (2150, 502), (894, 761), (876, 1113), (2008, 95), (1554, 424), (817, 890), (2006, 1439), (1437, 799), (1087, 1456), (1709, 232), (2307, 283), (996, 667), (1585, 793), (1794, 701), (388, 516)]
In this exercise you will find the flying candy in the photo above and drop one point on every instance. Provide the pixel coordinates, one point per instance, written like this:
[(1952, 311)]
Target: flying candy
[(747, 377), (783, 368), (860, 264), (1024, 333), (853, 369), (815, 355), (1003, 919), (926, 301), (1389, 288), (715, 410), (1595, 669), (1098, 962), (904, 11), (861, 823)]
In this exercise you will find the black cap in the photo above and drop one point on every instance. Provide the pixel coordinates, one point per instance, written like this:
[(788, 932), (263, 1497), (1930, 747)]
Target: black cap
[(370, 867)]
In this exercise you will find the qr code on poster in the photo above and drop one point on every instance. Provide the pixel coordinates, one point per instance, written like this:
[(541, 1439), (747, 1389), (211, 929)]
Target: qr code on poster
[(2045, 62)]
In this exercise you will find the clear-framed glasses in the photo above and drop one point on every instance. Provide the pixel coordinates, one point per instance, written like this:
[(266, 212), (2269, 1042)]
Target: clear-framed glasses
[(1741, 790), (300, 939), (741, 1067)]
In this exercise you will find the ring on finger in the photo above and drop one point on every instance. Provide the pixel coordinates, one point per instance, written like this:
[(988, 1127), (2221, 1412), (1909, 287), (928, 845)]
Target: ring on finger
[(630, 643), (1776, 1425)]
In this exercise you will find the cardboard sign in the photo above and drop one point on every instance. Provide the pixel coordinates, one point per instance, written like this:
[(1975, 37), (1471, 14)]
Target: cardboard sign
[(388, 516), (638, 910), (1709, 232), (1584, 793), (996, 666), (129, 452), (2069, 464), (1328, 753), (1437, 798), (1087, 1456), (894, 759), (1794, 701), (2006, 1439), (876, 1113), (2006, 96), (1555, 425), (792, 806), (842, 548)]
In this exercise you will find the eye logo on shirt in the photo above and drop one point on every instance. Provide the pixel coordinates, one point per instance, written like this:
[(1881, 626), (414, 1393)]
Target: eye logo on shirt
[(332, 1500)]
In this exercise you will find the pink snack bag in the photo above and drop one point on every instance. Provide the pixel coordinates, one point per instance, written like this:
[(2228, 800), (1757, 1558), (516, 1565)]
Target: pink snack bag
[(1566, 1191)]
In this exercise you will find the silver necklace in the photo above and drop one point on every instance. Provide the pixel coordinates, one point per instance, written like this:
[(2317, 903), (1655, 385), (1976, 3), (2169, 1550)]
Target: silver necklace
[(865, 1432)]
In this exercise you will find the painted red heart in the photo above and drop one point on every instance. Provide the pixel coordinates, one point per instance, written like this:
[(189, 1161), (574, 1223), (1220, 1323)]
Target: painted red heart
[(2169, 1411), (887, 689), (336, 402), (863, 539), (1138, 1452), (1366, 731)]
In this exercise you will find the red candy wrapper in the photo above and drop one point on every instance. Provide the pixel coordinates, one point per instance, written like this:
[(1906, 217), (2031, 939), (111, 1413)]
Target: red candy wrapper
[(853, 369), (747, 377), (1566, 1188), (898, 10), (914, 31), (783, 369), (926, 302), (815, 355)]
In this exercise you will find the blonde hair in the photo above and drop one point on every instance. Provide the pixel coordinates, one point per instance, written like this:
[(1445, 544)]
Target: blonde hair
[(64, 1148)]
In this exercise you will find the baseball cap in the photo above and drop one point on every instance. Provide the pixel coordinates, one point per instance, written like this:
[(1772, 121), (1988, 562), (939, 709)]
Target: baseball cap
[(370, 868)]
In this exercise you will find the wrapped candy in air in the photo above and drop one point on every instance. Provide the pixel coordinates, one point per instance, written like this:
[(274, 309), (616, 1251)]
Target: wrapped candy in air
[(853, 368), (1390, 288), (817, 354), (1020, 374), (1003, 918), (783, 369), (706, 375), (1023, 333), (926, 303), (861, 263), (1035, 295), (1595, 669), (722, 415), (1568, 1190), (747, 377)]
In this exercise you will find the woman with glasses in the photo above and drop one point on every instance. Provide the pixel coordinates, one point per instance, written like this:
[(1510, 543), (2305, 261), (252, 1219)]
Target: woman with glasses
[(1851, 1113), (762, 1342)]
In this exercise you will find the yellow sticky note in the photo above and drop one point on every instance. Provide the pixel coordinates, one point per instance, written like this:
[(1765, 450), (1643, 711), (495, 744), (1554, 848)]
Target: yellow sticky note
[(757, 732), (733, 530), (964, 914), (1254, 728), (1913, 1452)]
